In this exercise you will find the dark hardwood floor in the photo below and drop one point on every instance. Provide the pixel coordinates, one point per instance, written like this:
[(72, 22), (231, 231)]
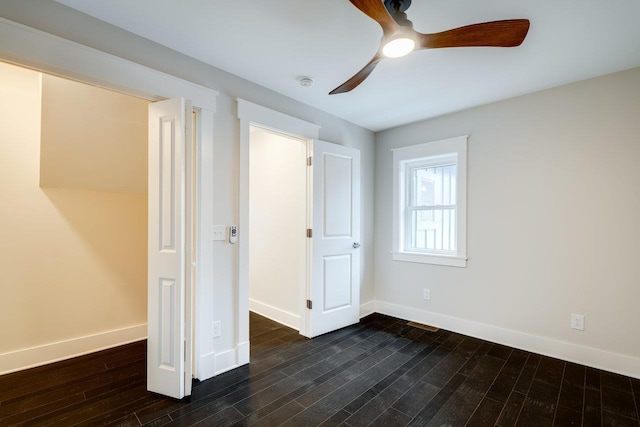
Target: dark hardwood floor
[(380, 372)]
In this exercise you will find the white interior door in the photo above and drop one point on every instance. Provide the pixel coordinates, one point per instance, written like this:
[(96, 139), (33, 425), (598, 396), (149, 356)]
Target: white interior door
[(335, 281), (168, 352)]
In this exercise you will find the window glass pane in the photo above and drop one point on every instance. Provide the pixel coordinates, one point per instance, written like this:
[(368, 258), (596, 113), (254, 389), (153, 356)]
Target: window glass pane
[(434, 186), (433, 230)]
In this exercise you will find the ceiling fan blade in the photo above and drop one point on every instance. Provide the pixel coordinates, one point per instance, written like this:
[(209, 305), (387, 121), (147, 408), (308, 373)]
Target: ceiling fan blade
[(376, 10), (508, 33), (359, 77)]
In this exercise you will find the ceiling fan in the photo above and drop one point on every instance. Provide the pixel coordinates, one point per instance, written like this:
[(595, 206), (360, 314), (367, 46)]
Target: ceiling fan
[(399, 38)]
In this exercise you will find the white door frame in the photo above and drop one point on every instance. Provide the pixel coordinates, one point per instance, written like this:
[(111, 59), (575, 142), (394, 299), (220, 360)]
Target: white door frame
[(251, 114), (41, 51)]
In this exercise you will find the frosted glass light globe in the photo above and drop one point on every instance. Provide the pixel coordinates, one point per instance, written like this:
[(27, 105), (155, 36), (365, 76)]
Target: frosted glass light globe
[(398, 47)]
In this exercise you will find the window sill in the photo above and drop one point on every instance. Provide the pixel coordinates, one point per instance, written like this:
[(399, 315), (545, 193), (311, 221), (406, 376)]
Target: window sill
[(449, 261)]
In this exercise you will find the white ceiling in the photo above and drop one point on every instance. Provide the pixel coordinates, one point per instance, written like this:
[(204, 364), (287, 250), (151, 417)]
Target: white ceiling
[(274, 42)]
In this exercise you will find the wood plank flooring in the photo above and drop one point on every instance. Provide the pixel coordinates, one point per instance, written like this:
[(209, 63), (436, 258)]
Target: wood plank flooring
[(380, 372)]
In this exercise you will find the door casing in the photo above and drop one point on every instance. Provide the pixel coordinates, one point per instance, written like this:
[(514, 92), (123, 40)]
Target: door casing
[(255, 115), (251, 114)]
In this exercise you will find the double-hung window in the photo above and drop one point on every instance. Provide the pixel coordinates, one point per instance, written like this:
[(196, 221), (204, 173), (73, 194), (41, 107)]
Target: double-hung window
[(430, 202)]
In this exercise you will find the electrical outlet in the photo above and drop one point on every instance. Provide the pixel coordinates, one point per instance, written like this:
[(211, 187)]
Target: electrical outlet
[(577, 322), (426, 294), (217, 329)]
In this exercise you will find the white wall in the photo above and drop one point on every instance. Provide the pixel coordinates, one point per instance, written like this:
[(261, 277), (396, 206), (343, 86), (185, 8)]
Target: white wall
[(55, 18), (278, 220), (553, 208)]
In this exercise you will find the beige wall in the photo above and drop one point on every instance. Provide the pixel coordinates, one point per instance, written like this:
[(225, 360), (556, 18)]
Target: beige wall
[(91, 138), (73, 261)]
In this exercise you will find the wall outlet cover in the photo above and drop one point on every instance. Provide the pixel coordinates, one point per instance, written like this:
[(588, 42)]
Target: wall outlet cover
[(577, 322), (217, 329)]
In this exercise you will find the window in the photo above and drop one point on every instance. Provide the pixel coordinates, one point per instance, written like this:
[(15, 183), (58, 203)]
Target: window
[(429, 217)]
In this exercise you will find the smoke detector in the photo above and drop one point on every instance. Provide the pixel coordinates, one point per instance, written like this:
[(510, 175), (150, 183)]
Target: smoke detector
[(306, 81)]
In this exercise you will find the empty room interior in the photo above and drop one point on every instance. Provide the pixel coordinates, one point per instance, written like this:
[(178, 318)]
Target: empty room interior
[(336, 212)]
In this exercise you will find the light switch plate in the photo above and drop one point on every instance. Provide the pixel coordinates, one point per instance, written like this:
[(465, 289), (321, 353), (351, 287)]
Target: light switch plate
[(219, 232)]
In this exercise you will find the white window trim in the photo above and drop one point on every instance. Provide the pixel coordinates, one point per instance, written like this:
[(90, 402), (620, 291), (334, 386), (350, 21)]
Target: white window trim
[(457, 146)]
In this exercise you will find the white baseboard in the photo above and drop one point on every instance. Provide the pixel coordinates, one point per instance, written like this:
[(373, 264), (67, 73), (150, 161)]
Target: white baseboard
[(367, 308), (244, 353), (53, 352), (213, 364), (230, 359), (206, 366), (226, 361), (277, 315), (589, 356)]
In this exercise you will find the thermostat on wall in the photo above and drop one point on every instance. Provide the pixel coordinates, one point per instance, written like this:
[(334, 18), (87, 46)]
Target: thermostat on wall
[(233, 233)]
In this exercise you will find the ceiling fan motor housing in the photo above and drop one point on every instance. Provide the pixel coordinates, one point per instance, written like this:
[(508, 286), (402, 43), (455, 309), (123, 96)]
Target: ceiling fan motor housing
[(397, 9), (394, 6)]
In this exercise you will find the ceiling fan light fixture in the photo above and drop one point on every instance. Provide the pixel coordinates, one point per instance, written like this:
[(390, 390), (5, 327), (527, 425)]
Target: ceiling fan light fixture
[(398, 47)]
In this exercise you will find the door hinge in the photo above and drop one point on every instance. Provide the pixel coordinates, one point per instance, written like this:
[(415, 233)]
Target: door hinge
[(185, 350), (309, 304), (309, 161), (309, 233)]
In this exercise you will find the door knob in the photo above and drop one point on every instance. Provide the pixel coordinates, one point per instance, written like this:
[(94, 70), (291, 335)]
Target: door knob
[(356, 245)]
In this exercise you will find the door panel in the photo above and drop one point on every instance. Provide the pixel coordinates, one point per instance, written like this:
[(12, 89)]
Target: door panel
[(335, 287), (337, 282), (166, 311), (337, 195)]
